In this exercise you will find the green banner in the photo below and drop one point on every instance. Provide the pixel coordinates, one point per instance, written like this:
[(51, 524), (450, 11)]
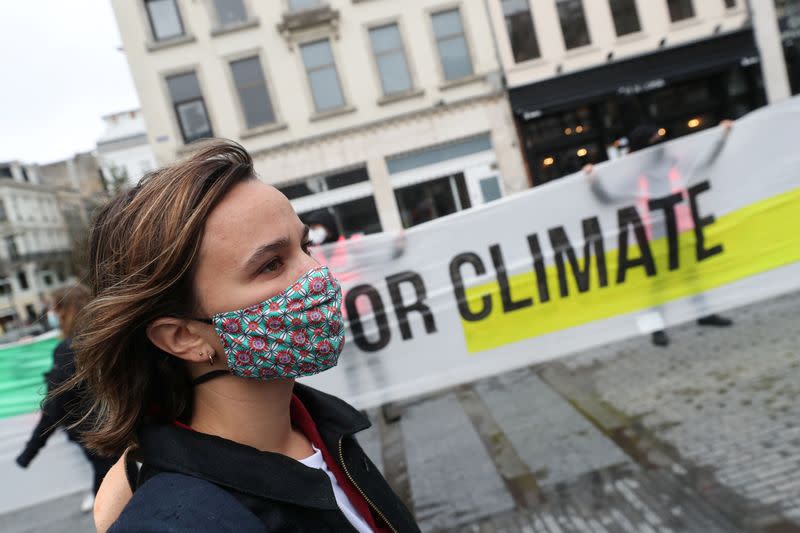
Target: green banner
[(22, 368)]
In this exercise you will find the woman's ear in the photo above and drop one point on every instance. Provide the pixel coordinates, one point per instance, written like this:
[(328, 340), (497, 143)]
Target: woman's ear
[(174, 336)]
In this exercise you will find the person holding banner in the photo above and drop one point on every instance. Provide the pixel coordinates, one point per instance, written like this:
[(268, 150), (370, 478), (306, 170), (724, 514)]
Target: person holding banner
[(207, 307), (668, 180), (65, 409)]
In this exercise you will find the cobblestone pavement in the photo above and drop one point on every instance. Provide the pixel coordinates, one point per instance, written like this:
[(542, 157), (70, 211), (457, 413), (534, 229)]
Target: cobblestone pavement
[(724, 399), (703, 436)]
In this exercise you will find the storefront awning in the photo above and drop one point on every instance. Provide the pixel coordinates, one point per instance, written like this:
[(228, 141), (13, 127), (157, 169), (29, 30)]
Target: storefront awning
[(636, 75)]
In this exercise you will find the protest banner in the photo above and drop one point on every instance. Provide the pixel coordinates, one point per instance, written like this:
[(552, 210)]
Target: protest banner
[(567, 266)]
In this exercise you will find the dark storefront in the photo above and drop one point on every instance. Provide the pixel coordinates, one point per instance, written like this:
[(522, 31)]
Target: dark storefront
[(788, 12), (569, 121)]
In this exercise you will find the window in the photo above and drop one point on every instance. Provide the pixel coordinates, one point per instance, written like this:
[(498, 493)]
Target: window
[(252, 88), (47, 279), (452, 44), (490, 189), (432, 199), (322, 76), (11, 248), (626, 18), (319, 184), (729, 4), (390, 57), (5, 172), (353, 217), (190, 109), (3, 215), (165, 19), (23, 280), (573, 23), (680, 9), (521, 31), (788, 12), (302, 5), (230, 12), (25, 176)]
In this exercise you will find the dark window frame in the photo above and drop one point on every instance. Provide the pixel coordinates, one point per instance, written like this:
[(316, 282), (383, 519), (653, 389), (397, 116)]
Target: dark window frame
[(176, 105), (685, 10), (449, 37), (22, 279), (454, 183), (522, 54), (319, 68), (153, 26), (617, 12), (257, 58), (582, 20), (218, 18), (401, 50)]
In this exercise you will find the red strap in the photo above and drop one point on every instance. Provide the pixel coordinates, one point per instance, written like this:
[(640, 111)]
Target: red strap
[(303, 421)]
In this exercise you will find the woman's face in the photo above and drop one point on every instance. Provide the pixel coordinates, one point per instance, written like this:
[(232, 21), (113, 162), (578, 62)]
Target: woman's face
[(254, 246)]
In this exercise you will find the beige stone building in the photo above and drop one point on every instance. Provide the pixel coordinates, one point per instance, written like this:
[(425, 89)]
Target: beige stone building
[(35, 246), (385, 114)]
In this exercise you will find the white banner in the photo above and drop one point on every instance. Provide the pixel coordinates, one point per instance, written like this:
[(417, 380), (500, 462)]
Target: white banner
[(674, 232)]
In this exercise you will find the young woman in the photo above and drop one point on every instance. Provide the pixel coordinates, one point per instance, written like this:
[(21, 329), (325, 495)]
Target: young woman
[(65, 409), (206, 308)]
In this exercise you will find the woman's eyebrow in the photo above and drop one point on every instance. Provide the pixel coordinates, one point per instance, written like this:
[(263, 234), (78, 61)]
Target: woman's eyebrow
[(258, 255)]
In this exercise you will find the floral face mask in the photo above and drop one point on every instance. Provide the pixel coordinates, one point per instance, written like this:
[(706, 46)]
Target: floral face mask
[(297, 333)]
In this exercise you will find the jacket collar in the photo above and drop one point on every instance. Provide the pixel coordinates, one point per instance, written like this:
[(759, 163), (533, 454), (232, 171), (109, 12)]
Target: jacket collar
[(245, 469), (332, 415)]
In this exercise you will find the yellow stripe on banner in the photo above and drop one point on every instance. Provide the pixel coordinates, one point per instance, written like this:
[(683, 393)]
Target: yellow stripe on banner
[(757, 238)]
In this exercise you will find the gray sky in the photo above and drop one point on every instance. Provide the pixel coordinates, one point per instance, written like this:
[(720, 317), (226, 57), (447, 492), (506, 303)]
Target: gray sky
[(61, 71)]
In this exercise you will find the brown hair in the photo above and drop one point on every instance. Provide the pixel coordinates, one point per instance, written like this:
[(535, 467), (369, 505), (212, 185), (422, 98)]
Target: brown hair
[(142, 250), (69, 301)]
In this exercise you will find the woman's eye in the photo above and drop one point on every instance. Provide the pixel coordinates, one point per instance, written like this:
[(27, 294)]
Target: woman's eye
[(305, 246), (273, 265)]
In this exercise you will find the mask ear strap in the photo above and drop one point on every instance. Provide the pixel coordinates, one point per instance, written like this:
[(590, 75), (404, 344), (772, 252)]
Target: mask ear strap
[(208, 376)]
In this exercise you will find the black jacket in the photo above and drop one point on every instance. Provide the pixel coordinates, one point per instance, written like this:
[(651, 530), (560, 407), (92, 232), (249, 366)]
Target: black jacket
[(61, 410), (195, 482)]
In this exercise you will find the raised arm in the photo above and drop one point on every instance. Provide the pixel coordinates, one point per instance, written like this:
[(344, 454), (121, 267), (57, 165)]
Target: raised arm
[(598, 189), (713, 154)]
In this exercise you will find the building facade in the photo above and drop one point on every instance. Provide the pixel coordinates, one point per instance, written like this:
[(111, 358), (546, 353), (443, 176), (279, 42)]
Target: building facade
[(385, 114), (35, 246), (583, 74), (123, 152), (79, 187)]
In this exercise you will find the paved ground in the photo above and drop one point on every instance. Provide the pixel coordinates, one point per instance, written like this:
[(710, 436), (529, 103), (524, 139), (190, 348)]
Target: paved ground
[(703, 436)]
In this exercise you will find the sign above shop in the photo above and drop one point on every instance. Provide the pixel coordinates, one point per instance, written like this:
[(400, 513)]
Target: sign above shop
[(637, 88)]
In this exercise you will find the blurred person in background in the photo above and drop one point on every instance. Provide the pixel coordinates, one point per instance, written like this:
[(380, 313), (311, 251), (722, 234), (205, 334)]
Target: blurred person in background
[(207, 306), (668, 181), (65, 409), (322, 228)]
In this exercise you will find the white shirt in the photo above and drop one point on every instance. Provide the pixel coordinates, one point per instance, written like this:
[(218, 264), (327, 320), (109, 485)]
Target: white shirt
[(317, 461)]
